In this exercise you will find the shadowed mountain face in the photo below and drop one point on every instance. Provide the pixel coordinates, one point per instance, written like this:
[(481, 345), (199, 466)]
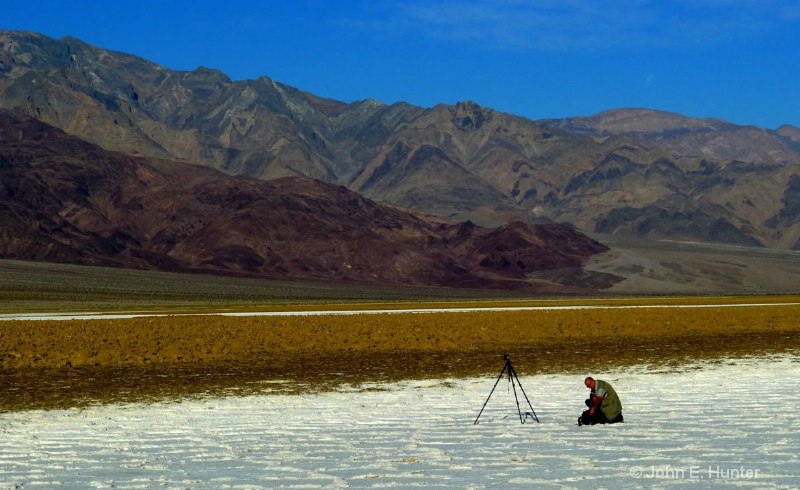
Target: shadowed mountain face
[(65, 200), (630, 173)]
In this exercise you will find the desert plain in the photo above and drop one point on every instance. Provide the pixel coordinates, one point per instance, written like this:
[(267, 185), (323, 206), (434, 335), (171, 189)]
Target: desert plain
[(63, 363), (182, 346)]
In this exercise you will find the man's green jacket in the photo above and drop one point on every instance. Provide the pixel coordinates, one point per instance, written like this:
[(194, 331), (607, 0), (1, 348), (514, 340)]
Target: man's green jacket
[(611, 406)]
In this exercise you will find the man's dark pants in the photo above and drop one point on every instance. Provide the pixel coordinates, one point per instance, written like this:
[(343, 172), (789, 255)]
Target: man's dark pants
[(598, 418)]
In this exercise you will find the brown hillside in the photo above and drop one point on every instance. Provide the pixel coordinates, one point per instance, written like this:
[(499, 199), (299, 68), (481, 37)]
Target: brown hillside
[(65, 200)]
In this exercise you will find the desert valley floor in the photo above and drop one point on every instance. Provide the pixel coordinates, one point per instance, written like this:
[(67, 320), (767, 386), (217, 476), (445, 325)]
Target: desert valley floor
[(377, 400), (730, 421)]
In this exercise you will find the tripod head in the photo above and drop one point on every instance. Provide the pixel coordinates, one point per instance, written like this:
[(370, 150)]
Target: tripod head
[(509, 367)]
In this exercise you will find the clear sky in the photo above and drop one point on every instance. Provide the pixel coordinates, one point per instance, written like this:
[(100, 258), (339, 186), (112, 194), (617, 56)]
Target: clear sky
[(737, 60)]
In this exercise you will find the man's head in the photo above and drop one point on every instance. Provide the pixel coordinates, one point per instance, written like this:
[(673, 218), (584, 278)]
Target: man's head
[(589, 382)]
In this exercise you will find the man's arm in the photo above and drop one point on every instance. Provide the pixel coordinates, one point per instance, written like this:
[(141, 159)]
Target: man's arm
[(597, 399)]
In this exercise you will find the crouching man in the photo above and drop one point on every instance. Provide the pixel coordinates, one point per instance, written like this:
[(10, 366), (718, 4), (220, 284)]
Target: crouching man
[(603, 402)]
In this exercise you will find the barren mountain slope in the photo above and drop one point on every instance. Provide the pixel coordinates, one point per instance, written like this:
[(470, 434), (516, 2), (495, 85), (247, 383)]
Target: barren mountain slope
[(630, 173), (65, 200)]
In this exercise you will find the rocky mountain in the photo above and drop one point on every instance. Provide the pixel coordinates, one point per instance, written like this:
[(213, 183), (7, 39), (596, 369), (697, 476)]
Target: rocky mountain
[(725, 183), (63, 199), (629, 173), (681, 136)]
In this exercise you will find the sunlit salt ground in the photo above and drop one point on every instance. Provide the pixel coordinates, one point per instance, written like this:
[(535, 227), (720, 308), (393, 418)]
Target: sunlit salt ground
[(733, 422)]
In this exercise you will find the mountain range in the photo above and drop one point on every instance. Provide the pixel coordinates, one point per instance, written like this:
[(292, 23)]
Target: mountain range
[(66, 200), (626, 173)]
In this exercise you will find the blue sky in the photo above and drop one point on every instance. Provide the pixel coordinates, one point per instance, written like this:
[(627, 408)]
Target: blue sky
[(736, 60)]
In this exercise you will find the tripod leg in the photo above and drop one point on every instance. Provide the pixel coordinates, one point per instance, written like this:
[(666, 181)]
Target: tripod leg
[(533, 412), (519, 410), (490, 393)]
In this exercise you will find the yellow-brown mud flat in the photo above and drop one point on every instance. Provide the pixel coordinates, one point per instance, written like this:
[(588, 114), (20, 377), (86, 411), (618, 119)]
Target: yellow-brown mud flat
[(48, 364)]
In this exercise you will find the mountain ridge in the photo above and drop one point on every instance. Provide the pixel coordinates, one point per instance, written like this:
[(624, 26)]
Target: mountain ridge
[(634, 172), (65, 200)]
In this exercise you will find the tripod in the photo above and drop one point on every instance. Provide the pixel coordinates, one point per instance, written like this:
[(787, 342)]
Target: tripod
[(512, 378)]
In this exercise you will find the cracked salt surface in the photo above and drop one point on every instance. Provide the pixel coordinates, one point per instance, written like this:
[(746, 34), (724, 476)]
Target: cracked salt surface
[(731, 422)]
